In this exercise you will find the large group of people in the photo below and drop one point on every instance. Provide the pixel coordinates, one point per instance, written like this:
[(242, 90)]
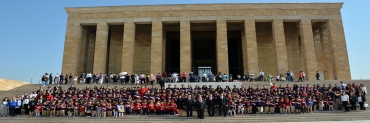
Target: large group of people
[(166, 77), (111, 101)]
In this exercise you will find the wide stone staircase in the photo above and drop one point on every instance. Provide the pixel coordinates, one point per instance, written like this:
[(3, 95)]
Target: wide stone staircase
[(357, 116)]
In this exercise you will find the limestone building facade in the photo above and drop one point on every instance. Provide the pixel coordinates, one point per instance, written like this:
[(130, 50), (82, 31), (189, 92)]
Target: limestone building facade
[(228, 38)]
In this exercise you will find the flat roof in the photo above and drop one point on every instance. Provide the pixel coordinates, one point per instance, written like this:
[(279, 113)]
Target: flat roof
[(212, 6)]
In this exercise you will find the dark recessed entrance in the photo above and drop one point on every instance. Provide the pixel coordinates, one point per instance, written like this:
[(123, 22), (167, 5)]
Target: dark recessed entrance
[(203, 37)]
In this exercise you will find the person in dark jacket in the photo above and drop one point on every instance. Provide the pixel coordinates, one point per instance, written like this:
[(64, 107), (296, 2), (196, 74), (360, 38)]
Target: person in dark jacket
[(201, 105), (222, 102), (31, 106), (189, 102), (180, 105), (12, 104), (352, 101), (211, 103)]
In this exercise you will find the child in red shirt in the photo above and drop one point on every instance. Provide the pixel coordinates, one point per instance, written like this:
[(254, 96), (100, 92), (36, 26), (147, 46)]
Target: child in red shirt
[(82, 110), (144, 106), (38, 109), (174, 108), (151, 108), (168, 108), (137, 108)]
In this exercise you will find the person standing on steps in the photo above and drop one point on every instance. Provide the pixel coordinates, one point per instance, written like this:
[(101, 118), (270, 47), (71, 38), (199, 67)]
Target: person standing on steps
[(211, 103), (50, 78), (345, 101), (189, 106), (261, 75), (201, 105), (317, 75), (222, 102)]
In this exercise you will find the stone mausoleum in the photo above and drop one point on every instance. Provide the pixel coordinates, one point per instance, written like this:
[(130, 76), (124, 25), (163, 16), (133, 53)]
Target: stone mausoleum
[(241, 38)]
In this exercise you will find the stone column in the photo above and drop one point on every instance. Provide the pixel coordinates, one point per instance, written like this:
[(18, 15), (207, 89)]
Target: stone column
[(327, 53), (156, 48), (337, 42), (280, 47), (128, 47), (319, 54), (185, 47), (250, 55), (101, 45), (71, 53), (308, 49), (221, 47)]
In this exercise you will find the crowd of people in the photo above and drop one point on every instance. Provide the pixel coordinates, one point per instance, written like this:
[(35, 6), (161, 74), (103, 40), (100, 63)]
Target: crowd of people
[(107, 101), (124, 78)]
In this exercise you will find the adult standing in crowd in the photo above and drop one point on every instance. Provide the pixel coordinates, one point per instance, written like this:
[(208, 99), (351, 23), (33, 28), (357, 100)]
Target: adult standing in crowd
[(51, 78), (201, 105), (361, 100), (191, 77), (82, 78), (70, 77), (189, 106), (4, 107), (353, 101), (12, 104), (222, 102), (261, 75), (363, 89), (158, 77), (88, 78), (44, 78), (180, 105), (66, 78), (317, 75), (211, 103), (345, 101), (101, 78), (183, 77), (31, 106), (56, 79), (61, 78)]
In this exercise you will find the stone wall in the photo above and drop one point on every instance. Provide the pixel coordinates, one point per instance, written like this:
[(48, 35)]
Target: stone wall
[(143, 38), (266, 48), (115, 49), (292, 47), (90, 54), (301, 49)]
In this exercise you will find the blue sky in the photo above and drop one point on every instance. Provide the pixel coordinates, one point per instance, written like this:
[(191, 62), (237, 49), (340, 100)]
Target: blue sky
[(32, 33)]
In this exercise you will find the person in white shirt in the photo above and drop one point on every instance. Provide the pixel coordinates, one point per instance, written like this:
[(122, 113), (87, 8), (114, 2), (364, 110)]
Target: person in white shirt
[(136, 79), (261, 75), (278, 78), (111, 78), (345, 100), (304, 76), (142, 78), (56, 79), (122, 78), (121, 109), (88, 78), (33, 95), (26, 100), (204, 77), (174, 77), (363, 89)]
